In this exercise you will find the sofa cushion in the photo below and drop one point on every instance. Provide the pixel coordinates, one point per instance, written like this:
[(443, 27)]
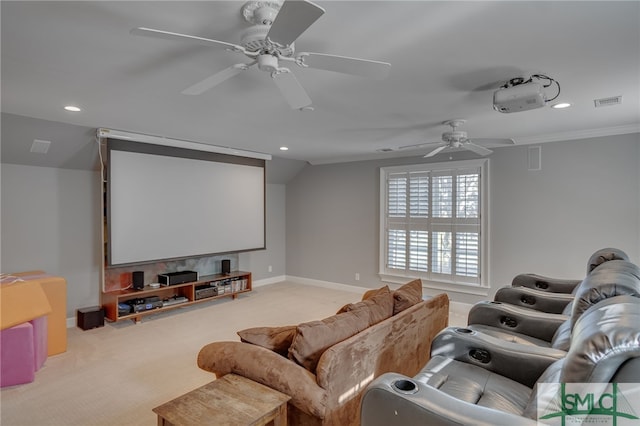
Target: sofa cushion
[(314, 337), (379, 306), (407, 296), (277, 339)]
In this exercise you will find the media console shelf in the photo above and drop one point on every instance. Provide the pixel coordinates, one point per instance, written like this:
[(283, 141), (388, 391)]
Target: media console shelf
[(207, 288)]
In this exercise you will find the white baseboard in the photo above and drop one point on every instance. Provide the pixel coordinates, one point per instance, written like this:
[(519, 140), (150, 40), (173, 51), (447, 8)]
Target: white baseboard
[(328, 284), (71, 322), (267, 281)]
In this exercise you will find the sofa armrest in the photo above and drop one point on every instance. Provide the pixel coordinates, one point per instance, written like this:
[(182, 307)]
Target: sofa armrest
[(536, 324), (548, 284), (553, 303), (495, 355), (383, 404), (266, 367)]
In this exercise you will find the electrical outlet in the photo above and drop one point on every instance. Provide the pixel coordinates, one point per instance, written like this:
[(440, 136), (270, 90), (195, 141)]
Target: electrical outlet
[(270, 268), (357, 276)]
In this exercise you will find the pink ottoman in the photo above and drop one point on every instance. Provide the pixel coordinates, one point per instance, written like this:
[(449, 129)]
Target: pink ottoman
[(40, 341), (17, 355)]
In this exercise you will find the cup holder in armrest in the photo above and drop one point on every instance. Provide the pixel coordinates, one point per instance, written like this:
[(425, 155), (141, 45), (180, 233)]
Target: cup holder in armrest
[(528, 300), (405, 386), (461, 330), (542, 285)]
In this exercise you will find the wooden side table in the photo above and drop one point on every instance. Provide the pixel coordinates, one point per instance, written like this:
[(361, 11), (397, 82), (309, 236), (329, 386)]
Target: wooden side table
[(231, 400)]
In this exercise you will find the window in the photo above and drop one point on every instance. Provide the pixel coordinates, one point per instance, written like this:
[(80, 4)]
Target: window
[(432, 221)]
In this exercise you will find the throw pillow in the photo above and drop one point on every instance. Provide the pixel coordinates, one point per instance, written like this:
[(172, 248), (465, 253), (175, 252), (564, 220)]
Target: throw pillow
[(371, 293), (315, 337), (379, 306), (277, 339), (407, 296)]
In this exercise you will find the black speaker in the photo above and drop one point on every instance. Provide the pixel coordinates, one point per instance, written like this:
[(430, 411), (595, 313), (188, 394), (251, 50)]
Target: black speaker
[(138, 279), (226, 266), (89, 318)]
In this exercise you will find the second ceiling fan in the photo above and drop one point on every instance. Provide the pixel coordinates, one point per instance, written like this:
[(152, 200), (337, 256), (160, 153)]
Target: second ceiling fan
[(458, 139), (269, 44)]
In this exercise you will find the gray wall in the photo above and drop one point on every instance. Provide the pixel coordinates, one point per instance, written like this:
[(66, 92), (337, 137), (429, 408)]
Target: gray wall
[(587, 196), (326, 218), (258, 262), (51, 221)]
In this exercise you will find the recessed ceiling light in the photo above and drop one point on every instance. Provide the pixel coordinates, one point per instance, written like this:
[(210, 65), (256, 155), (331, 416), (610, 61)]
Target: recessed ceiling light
[(72, 108), (561, 105), (284, 148)]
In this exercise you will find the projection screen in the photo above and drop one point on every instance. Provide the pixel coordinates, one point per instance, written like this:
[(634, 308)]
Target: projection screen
[(168, 203)]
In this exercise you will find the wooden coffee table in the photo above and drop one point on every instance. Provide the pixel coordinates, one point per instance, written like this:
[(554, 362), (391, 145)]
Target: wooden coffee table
[(230, 400)]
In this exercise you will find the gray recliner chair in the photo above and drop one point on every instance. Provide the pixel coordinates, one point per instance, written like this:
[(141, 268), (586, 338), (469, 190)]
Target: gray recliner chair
[(551, 294), (525, 326), (459, 390)]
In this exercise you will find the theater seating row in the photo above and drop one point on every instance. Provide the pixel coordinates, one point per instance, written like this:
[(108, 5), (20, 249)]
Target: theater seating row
[(514, 364)]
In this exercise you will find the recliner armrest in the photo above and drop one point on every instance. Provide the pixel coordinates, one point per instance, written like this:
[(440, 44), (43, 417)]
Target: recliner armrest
[(547, 284), (536, 324), (542, 301), (385, 404), (496, 355)]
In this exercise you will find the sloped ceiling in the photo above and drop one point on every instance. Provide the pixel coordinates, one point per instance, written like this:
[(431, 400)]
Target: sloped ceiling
[(447, 60)]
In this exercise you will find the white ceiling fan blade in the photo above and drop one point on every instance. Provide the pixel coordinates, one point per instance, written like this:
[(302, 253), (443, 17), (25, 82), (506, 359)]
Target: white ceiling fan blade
[(492, 142), (480, 150), (419, 145), (294, 17), (291, 89), (362, 67), (167, 35), (436, 151), (212, 81)]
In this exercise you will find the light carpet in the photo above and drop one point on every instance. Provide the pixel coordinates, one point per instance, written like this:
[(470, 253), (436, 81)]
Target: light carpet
[(116, 374)]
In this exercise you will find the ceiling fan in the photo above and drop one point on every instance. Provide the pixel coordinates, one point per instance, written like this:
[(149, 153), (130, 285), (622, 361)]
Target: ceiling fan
[(269, 44), (458, 139)]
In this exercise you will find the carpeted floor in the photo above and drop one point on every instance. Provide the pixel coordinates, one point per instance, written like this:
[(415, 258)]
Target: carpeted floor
[(116, 374)]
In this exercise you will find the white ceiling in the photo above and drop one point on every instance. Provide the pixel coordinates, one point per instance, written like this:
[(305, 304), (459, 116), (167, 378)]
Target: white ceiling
[(447, 59)]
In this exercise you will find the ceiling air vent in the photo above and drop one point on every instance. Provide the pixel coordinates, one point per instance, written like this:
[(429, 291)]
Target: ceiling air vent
[(614, 100), (40, 147)]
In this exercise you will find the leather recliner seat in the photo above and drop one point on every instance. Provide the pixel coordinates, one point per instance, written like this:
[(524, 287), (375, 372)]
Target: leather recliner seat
[(525, 326), (558, 285), (458, 390), (551, 294)]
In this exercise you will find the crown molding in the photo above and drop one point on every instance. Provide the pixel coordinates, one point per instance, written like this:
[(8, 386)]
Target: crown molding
[(580, 134)]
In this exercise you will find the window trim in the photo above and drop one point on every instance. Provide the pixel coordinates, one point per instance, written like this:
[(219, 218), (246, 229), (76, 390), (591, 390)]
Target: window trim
[(393, 276)]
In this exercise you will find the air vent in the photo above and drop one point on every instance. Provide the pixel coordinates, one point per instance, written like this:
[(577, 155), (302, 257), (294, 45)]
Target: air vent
[(40, 147), (614, 100)]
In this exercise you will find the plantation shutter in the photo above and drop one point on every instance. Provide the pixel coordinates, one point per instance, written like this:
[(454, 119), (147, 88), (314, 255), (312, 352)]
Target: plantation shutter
[(432, 224)]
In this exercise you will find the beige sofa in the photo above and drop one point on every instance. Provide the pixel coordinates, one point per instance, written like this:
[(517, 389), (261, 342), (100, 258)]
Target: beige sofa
[(324, 366)]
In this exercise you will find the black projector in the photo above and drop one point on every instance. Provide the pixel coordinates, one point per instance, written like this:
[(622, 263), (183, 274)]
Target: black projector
[(173, 278)]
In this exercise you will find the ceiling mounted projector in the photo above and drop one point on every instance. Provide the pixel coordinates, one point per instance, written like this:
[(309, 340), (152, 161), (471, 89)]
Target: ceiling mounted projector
[(522, 95)]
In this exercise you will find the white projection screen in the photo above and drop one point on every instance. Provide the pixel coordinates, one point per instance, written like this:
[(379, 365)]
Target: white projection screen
[(168, 203)]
